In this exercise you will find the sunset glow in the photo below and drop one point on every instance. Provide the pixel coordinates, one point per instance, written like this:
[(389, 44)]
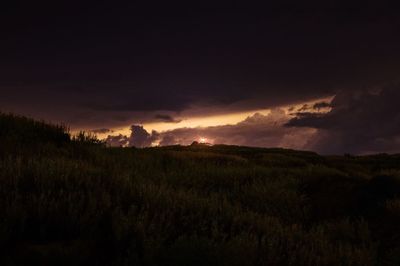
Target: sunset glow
[(151, 133), (219, 119), (206, 121), (202, 140)]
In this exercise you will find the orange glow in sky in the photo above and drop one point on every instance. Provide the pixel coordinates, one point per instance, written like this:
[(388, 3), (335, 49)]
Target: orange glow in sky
[(206, 121), (212, 120), (202, 140)]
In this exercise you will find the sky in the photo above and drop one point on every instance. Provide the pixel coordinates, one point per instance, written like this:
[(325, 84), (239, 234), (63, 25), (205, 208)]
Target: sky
[(310, 75)]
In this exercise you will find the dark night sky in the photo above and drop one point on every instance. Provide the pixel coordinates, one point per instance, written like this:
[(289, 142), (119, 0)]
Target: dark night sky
[(104, 65)]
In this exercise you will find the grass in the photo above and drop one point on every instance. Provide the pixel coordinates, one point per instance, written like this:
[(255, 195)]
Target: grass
[(73, 201)]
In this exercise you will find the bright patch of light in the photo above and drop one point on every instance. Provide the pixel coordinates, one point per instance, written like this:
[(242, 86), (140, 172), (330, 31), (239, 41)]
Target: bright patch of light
[(202, 140)]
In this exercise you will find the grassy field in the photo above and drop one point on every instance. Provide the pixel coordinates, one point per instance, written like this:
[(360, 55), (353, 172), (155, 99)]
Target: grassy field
[(73, 201)]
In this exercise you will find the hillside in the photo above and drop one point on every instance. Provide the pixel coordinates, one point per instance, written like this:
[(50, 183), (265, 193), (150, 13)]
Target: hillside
[(73, 201)]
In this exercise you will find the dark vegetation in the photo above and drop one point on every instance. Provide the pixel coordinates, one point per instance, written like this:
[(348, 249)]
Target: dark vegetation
[(73, 201)]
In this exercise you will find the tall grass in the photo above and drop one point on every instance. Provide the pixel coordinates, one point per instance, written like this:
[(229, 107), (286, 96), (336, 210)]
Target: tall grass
[(72, 201)]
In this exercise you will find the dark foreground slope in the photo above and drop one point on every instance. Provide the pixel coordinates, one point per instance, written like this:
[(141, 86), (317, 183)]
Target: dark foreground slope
[(70, 201)]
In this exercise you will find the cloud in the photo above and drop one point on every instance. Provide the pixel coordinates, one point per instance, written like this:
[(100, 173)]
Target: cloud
[(359, 122), (256, 130), (236, 60), (140, 137), (117, 141), (166, 118), (321, 105), (356, 122), (168, 139), (101, 131), (304, 108)]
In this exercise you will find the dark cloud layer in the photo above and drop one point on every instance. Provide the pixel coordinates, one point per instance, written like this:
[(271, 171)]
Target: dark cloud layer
[(359, 122), (66, 62), (103, 65)]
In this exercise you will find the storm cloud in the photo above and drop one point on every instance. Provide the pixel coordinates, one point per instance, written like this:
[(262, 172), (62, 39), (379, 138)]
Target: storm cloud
[(94, 67), (359, 122), (99, 67)]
